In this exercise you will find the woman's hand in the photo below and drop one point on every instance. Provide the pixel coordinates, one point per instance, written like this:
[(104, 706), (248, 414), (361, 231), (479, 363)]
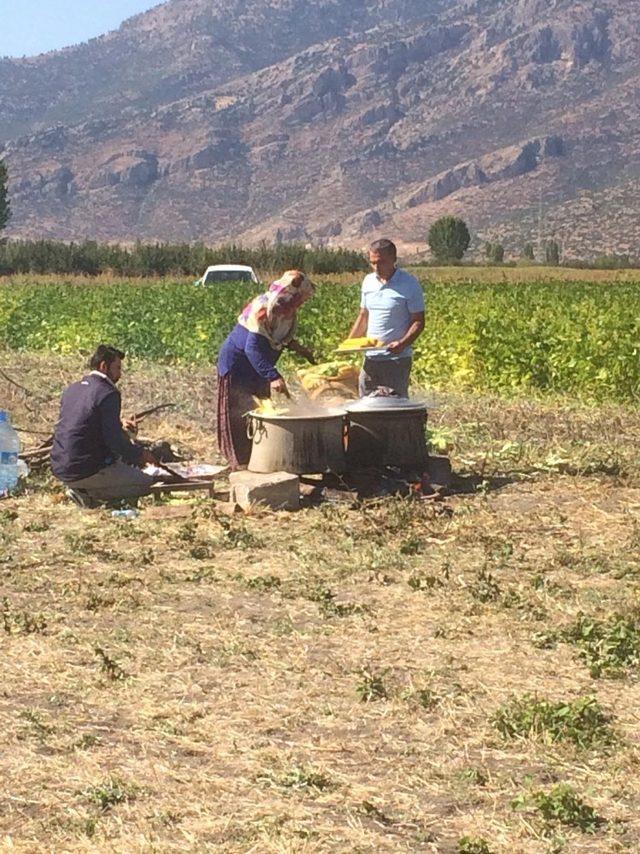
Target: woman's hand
[(307, 353), (300, 350), (280, 387)]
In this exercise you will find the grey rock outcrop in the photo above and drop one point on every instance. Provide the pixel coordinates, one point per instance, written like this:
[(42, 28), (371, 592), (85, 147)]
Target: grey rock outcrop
[(503, 164)]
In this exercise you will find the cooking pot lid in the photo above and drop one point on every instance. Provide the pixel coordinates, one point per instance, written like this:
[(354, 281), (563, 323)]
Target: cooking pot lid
[(372, 404)]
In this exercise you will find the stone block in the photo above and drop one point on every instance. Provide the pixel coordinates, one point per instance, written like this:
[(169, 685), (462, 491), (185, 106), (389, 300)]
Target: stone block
[(280, 490), (439, 468)]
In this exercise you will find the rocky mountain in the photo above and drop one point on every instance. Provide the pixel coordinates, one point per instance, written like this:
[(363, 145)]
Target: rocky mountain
[(334, 122)]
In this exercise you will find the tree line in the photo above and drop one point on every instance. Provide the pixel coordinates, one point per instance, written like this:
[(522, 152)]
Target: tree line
[(91, 258), (449, 239)]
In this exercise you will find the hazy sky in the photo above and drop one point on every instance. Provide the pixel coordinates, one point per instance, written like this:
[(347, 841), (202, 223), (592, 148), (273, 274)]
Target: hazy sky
[(28, 27)]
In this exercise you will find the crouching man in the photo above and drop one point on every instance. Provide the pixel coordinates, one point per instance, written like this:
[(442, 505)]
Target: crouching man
[(92, 455)]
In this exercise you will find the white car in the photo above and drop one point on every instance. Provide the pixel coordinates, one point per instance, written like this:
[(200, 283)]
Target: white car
[(228, 273)]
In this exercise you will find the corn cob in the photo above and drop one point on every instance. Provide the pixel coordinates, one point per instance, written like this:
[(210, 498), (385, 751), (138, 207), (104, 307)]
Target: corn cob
[(360, 343)]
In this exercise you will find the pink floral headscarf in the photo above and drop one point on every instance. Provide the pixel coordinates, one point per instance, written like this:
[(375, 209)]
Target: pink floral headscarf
[(274, 313)]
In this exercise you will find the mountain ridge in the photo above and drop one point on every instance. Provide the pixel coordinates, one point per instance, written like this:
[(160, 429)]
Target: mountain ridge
[(330, 123)]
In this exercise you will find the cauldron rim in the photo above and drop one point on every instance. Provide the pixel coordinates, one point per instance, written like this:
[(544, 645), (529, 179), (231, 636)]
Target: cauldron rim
[(332, 413), (360, 408)]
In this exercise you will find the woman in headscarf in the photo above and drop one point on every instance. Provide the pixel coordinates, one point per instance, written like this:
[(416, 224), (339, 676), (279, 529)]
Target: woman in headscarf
[(247, 359)]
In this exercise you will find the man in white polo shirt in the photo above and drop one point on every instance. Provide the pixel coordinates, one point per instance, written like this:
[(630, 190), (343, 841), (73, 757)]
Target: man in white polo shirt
[(392, 310)]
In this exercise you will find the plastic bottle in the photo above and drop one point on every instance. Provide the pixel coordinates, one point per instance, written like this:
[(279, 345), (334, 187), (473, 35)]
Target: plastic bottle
[(9, 450), (126, 513)]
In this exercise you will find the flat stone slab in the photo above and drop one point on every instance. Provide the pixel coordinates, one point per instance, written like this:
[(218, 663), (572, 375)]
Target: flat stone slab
[(279, 490)]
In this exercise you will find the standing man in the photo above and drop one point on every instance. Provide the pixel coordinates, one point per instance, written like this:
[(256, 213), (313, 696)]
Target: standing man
[(391, 310), (91, 452)]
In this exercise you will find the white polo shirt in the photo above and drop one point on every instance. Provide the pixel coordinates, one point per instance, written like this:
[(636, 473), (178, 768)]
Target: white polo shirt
[(390, 306)]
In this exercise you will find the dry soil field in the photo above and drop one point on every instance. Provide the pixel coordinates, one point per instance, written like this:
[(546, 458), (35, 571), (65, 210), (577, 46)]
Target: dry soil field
[(397, 675)]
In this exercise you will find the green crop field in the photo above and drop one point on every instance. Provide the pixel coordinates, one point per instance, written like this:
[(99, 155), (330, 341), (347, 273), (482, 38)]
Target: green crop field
[(577, 338)]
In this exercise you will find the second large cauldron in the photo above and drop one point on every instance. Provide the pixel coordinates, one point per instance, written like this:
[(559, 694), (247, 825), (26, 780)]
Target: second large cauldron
[(387, 431)]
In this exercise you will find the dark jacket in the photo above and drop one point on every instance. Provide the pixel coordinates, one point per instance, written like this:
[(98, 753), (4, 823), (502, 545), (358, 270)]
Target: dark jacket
[(89, 434)]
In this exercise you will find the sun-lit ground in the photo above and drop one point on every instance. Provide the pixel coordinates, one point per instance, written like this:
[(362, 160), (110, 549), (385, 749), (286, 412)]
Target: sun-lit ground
[(354, 678)]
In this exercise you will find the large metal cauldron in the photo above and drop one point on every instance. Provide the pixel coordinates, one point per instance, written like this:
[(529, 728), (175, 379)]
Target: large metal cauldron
[(310, 444), (387, 431)]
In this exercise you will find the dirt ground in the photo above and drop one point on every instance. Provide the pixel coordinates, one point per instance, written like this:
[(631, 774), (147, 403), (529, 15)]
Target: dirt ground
[(339, 679)]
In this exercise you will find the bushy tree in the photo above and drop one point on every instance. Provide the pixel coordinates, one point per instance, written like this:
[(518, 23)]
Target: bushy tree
[(449, 239), (528, 252), (552, 253), (612, 262), (494, 253), (5, 210)]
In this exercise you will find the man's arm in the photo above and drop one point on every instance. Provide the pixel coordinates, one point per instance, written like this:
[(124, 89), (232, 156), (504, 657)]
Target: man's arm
[(114, 436), (416, 326), (359, 328)]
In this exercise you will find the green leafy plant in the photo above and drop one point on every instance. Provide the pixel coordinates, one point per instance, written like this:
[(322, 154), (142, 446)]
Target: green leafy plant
[(427, 698), (110, 793), (201, 551), (581, 722), (423, 581), (87, 741), (20, 622), (485, 588), (263, 583), (562, 805), (37, 526), (329, 607), (545, 639), (236, 535), (411, 546), (109, 666), (96, 601), (476, 776), (372, 686), (473, 845), (609, 647), (372, 811), (37, 726), (300, 778)]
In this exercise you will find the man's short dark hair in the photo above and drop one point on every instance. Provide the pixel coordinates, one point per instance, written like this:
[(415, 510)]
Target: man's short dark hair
[(384, 245), (104, 353)]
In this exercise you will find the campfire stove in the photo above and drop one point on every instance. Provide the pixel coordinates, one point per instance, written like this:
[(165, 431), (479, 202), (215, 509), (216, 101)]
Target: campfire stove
[(387, 431)]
